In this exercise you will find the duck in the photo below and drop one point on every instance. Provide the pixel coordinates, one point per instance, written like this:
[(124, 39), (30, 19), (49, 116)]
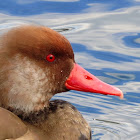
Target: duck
[(36, 63)]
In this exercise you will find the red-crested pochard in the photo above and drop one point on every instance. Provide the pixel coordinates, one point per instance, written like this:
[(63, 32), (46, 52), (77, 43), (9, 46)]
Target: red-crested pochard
[(36, 63)]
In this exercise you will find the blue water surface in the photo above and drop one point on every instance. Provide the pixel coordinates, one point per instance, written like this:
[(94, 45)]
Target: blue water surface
[(34, 7), (105, 36)]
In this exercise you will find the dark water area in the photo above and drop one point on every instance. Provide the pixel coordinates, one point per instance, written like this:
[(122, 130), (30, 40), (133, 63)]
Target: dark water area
[(105, 36)]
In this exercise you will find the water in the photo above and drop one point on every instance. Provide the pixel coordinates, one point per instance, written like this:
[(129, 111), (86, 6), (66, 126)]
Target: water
[(105, 36)]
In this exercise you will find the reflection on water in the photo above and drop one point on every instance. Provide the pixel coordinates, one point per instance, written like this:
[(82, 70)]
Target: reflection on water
[(122, 76), (132, 41), (105, 36), (71, 28)]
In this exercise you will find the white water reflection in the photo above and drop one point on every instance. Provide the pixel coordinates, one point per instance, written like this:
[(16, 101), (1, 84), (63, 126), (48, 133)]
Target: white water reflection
[(122, 76), (32, 1), (137, 40), (94, 63), (131, 87)]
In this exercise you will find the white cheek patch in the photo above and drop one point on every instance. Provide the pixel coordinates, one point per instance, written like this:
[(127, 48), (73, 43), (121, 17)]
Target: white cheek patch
[(29, 89)]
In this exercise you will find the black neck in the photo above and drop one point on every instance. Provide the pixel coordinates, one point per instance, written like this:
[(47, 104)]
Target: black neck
[(36, 117)]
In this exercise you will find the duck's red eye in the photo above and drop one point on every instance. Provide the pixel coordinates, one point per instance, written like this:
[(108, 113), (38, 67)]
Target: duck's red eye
[(50, 57)]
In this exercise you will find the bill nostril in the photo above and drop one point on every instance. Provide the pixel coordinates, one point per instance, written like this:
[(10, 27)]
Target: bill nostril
[(88, 77)]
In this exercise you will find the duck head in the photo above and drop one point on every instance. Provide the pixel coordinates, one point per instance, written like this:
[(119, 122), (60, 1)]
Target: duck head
[(36, 63)]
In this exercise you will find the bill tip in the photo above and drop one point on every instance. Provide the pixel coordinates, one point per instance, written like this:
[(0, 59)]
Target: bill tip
[(121, 96)]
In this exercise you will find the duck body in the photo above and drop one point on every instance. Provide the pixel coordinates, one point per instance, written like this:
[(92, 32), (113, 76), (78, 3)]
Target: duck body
[(62, 121), (35, 64)]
